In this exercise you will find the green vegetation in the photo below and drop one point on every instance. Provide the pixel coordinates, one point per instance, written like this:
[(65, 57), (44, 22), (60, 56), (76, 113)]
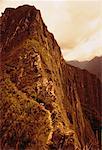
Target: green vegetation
[(24, 123)]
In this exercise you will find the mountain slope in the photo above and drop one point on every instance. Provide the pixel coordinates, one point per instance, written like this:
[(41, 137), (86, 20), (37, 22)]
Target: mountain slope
[(41, 100), (93, 66), (84, 89)]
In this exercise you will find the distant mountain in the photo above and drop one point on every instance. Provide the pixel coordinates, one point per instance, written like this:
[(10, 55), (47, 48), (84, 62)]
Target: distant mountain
[(93, 66)]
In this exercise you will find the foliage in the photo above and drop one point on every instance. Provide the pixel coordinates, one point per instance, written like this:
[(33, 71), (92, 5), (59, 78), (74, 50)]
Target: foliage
[(23, 121)]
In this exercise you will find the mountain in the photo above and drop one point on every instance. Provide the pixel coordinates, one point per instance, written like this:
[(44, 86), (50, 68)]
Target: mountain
[(93, 66), (45, 103), (79, 64)]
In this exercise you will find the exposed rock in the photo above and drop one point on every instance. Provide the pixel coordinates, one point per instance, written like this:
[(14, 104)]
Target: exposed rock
[(85, 90), (45, 103)]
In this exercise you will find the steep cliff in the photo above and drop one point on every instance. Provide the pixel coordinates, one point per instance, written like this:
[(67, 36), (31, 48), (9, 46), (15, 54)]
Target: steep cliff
[(84, 93), (45, 103)]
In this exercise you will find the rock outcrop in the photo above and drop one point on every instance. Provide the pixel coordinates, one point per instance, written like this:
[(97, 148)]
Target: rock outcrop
[(45, 103)]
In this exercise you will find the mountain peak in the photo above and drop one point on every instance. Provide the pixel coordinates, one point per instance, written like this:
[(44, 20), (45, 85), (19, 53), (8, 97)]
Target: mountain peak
[(46, 103), (16, 24)]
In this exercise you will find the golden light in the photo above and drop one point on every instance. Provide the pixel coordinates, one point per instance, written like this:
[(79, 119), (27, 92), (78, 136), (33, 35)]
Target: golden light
[(76, 25)]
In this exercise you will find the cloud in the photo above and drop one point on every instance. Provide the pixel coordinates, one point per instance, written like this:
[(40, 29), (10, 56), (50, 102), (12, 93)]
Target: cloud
[(86, 49)]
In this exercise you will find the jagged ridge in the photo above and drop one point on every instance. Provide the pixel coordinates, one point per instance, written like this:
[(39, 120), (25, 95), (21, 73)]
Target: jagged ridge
[(33, 67)]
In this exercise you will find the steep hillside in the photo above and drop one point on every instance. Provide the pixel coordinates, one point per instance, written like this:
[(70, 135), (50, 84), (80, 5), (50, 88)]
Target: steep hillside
[(93, 66), (85, 90), (42, 97)]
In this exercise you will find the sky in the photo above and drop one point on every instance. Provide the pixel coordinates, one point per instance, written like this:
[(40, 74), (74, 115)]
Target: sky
[(76, 25)]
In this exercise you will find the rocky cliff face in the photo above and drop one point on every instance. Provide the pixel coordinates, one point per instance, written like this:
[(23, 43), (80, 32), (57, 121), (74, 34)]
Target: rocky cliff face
[(45, 103), (84, 89)]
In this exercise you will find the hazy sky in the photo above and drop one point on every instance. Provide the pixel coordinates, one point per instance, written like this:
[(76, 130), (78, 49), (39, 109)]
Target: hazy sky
[(76, 25)]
